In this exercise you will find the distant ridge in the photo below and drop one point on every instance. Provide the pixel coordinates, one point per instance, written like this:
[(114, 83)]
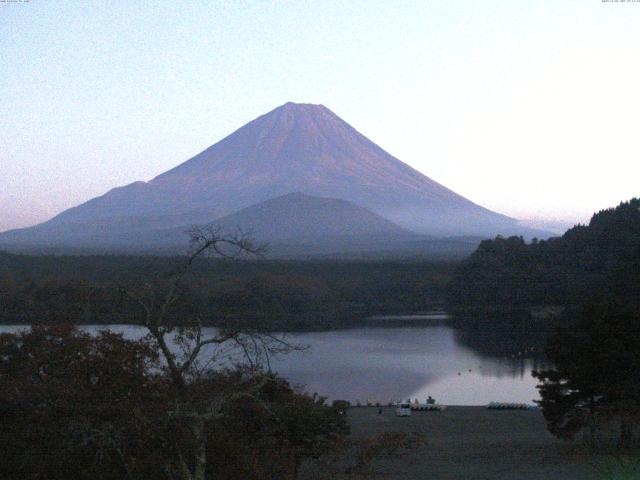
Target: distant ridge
[(300, 148), (297, 216)]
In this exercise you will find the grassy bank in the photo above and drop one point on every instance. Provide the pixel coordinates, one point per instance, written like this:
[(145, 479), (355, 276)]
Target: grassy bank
[(468, 443)]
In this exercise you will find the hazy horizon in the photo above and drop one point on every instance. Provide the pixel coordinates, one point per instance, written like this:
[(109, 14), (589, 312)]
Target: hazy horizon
[(526, 109)]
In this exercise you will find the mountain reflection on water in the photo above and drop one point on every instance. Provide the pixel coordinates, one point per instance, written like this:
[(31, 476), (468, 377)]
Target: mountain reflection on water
[(456, 366), (382, 364)]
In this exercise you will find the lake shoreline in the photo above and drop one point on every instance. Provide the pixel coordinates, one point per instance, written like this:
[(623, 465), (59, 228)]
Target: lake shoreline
[(387, 364), (288, 323)]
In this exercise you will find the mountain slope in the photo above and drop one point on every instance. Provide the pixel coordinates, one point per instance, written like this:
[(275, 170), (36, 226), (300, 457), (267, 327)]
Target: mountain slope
[(297, 216), (294, 148), (294, 218)]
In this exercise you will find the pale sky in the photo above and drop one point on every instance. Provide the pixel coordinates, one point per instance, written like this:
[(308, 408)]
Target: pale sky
[(527, 107)]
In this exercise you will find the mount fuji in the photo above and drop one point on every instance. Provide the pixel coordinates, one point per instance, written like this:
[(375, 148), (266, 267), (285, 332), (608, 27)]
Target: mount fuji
[(300, 149)]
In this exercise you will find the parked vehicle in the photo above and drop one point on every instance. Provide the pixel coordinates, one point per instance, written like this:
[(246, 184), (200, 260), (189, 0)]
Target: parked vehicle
[(403, 410)]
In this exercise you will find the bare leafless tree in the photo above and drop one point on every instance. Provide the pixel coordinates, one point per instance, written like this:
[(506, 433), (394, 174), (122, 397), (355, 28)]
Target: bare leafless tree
[(189, 352)]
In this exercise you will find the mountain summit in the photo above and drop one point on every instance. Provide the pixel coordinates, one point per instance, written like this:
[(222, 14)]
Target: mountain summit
[(295, 148)]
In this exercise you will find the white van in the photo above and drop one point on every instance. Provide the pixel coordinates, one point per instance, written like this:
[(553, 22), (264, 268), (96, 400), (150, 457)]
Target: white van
[(403, 410)]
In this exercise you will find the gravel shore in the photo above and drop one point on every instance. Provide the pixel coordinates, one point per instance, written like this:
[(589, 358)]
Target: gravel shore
[(471, 443)]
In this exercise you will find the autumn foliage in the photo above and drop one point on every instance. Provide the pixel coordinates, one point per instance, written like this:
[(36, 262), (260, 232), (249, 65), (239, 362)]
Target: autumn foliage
[(79, 406)]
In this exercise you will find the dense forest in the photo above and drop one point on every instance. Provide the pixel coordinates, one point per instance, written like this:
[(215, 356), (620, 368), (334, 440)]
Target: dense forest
[(593, 262), (589, 263), (283, 295)]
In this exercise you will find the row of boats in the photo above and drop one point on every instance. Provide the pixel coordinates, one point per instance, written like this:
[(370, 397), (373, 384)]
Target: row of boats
[(509, 406), (405, 409)]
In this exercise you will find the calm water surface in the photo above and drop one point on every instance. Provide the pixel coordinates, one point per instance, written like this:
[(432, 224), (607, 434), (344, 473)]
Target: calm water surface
[(381, 364)]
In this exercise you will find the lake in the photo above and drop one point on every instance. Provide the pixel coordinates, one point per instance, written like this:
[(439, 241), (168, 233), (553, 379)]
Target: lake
[(382, 364)]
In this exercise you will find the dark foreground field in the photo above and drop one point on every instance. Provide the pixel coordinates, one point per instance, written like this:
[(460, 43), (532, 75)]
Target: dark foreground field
[(469, 443)]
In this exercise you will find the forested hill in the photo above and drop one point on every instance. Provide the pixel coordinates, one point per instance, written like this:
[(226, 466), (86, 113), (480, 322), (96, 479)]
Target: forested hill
[(588, 263), (278, 295)]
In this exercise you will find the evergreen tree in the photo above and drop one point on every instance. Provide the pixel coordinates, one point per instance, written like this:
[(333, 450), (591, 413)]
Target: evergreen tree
[(596, 379)]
